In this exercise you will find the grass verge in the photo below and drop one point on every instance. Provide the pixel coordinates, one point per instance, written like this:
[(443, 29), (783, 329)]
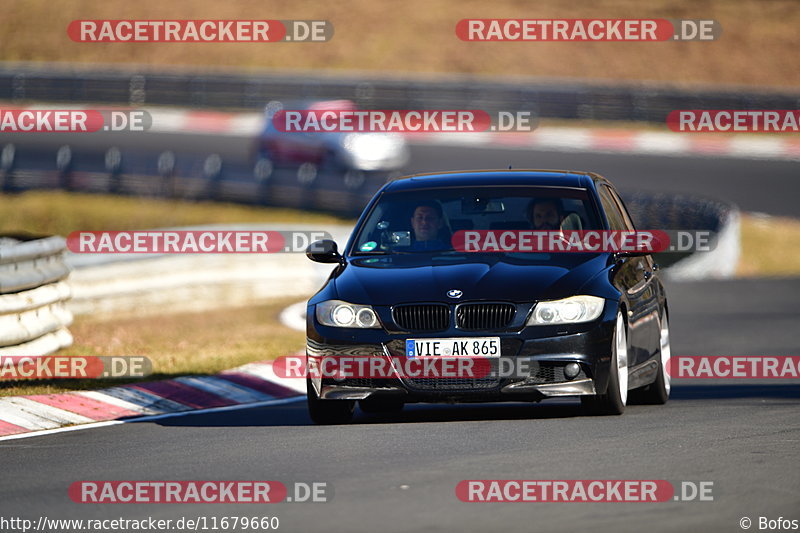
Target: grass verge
[(757, 47), (59, 213), (176, 344), (769, 247)]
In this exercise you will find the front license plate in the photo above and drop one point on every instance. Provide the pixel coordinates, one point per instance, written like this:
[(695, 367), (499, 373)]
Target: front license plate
[(454, 347)]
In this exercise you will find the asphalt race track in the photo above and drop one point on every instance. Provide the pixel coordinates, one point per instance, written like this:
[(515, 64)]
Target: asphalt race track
[(767, 186), (399, 473)]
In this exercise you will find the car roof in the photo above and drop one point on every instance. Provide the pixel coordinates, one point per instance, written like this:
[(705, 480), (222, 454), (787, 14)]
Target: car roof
[(476, 178)]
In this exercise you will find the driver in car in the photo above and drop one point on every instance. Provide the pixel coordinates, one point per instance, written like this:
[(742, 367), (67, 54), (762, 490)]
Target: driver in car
[(546, 213), (427, 222)]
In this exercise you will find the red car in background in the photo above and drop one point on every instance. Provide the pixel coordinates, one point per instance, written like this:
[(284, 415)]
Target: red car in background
[(333, 151)]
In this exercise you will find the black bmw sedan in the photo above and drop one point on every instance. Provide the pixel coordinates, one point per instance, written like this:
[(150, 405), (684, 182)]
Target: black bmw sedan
[(543, 322)]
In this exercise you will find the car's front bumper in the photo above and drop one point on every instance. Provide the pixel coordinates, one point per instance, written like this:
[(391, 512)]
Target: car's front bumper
[(546, 351), (511, 392)]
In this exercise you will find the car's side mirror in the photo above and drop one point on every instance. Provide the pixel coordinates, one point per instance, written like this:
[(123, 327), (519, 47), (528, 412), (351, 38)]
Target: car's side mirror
[(644, 249), (324, 251)]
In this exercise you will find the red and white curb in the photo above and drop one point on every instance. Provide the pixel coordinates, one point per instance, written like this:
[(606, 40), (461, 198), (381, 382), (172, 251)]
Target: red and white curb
[(599, 140), (567, 139), (625, 142), (249, 385)]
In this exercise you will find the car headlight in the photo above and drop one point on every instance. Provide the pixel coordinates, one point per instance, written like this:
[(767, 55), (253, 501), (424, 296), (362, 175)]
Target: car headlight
[(572, 310), (341, 314), (372, 151)]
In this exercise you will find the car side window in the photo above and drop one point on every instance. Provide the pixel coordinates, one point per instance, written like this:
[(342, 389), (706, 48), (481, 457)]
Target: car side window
[(615, 220), (623, 210)]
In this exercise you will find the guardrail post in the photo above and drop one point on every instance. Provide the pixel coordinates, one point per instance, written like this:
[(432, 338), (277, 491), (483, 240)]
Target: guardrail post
[(212, 170), (64, 166), (7, 160)]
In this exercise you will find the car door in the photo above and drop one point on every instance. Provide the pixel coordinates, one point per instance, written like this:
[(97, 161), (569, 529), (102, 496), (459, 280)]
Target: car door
[(633, 277), (648, 321)]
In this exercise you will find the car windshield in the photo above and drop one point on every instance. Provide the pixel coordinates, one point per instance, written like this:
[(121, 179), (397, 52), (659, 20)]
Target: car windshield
[(424, 221)]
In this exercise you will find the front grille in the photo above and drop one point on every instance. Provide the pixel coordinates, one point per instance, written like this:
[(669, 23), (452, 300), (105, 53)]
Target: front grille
[(422, 317), (453, 383), (358, 382), (461, 383), (369, 383), (482, 316)]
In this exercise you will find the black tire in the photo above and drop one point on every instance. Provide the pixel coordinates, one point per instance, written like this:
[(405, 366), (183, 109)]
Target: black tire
[(379, 405), (327, 412), (614, 400)]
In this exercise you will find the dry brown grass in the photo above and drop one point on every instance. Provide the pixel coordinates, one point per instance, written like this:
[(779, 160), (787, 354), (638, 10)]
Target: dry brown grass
[(176, 344), (758, 46), (59, 213), (769, 247)]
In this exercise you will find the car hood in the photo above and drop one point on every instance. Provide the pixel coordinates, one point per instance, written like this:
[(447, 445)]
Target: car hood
[(390, 280)]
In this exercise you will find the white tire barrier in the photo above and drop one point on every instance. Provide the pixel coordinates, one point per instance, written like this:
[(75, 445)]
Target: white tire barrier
[(33, 294)]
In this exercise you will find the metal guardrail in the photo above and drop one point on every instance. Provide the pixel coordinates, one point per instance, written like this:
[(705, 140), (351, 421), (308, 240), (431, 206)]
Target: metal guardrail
[(565, 100), (322, 190), (33, 294)]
